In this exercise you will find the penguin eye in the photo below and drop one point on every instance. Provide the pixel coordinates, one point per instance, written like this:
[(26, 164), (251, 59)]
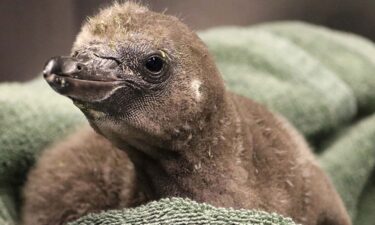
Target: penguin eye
[(154, 64), (155, 67)]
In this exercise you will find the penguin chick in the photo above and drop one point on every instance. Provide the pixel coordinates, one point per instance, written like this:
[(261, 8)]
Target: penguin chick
[(83, 173), (149, 85)]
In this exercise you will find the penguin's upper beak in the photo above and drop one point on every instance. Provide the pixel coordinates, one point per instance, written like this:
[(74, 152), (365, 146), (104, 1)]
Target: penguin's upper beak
[(76, 80)]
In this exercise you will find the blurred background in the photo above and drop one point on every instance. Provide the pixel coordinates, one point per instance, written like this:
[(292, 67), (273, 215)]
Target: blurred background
[(34, 30)]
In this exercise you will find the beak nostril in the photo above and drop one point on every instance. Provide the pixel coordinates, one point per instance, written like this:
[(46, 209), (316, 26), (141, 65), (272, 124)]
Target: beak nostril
[(63, 66)]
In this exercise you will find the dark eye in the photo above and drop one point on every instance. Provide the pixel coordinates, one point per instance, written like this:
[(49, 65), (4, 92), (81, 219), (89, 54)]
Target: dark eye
[(154, 64)]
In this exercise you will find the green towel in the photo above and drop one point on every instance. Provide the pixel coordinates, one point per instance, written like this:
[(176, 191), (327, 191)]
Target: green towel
[(272, 69), (350, 161), (31, 117), (321, 80), (182, 211)]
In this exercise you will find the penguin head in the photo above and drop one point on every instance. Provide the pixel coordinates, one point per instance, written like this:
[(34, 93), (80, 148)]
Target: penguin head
[(135, 73)]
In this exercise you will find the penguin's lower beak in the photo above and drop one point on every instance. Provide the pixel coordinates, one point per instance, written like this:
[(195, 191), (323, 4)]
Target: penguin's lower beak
[(75, 80)]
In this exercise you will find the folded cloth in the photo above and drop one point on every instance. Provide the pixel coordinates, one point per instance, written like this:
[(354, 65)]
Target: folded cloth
[(31, 117), (274, 70), (321, 80), (350, 161)]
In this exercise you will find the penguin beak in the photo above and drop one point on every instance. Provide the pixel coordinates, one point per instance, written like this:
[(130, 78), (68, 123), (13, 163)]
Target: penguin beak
[(73, 79)]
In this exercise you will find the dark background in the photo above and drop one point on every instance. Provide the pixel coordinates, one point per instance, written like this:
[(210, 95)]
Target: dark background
[(34, 30)]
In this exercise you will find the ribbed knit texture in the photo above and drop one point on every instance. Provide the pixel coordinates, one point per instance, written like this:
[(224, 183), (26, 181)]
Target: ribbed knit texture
[(323, 81), (182, 211)]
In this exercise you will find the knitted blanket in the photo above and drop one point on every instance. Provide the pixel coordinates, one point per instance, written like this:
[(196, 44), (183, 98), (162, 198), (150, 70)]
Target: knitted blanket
[(321, 80)]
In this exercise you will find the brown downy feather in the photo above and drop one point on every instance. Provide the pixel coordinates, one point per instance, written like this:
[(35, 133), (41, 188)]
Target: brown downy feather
[(83, 173), (186, 135)]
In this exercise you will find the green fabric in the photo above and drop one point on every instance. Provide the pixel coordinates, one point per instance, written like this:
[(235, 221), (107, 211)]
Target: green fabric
[(31, 116), (273, 70), (8, 213), (182, 211), (350, 161), (321, 80)]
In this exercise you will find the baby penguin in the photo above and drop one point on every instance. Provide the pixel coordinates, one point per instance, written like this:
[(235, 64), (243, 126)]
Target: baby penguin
[(148, 85)]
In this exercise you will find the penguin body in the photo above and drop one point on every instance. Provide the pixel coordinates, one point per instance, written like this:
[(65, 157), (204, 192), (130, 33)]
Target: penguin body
[(148, 85)]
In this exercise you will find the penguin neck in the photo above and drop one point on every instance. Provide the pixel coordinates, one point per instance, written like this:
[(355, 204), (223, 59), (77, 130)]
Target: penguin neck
[(184, 170)]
